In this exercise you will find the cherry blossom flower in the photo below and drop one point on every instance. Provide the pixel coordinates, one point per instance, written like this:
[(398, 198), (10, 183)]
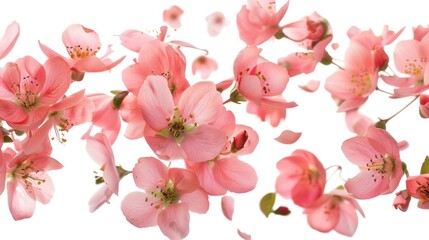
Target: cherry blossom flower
[(204, 65), (7, 42), (258, 21), (172, 16), (418, 187), (182, 130), (170, 193), (302, 178), (28, 181), (27, 89), (82, 45), (402, 200), (215, 22), (334, 211), (351, 86), (377, 155)]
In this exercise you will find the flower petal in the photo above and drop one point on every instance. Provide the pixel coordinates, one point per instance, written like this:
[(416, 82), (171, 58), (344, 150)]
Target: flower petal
[(227, 206), (139, 210), (235, 175), (150, 173), (174, 221), (288, 137)]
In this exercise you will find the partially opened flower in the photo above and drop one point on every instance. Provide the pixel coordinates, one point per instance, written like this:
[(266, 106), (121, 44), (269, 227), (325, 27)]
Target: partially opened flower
[(170, 193), (418, 187), (215, 22), (334, 211), (402, 200), (302, 178), (172, 16), (377, 155)]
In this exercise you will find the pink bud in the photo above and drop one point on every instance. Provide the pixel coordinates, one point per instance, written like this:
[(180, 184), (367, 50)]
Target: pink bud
[(239, 141), (424, 106), (402, 200)]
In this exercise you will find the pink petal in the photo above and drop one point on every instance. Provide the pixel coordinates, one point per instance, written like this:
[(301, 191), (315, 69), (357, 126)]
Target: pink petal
[(150, 173), (227, 206), (76, 35), (204, 143), (288, 137), (134, 39), (359, 150), (246, 59), (174, 221), (100, 197), (172, 16), (57, 81), (45, 190), (235, 175), (405, 51), (69, 101), (320, 219), (311, 86), (274, 78), (137, 209), (165, 148), (21, 204), (156, 102), (184, 181), (7, 42), (362, 186), (197, 201), (348, 220), (250, 88), (206, 178), (244, 235), (10, 112)]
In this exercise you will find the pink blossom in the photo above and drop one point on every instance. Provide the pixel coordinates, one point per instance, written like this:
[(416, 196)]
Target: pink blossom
[(258, 21), (204, 65), (82, 45), (302, 178), (7, 42), (402, 200), (334, 211), (170, 193), (28, 181), (418, 187), (377, 155), (351, 86), (172, 16), (27, 89), (182, 130), (215, 22)]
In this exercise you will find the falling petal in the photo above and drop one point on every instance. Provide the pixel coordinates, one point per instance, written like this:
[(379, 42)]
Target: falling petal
[(244, 235), (288, 137), (311, 86), (228, 206)]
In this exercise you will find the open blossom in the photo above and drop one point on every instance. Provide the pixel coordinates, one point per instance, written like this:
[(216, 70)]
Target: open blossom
[(28, 181), (7, 42), (82, 45), (302, 178), (170, 193), (258, 21), (377, 155), (27, 89), (215, 22), (352, 85), (418, 187), (172, 16), (334, 211), (182, 130)]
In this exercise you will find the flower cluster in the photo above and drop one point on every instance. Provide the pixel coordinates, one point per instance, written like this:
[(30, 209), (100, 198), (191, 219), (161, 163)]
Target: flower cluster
[(199, 147)]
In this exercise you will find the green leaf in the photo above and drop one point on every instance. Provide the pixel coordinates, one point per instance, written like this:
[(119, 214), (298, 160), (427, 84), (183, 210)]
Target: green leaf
[(267, 202), (425, 166)]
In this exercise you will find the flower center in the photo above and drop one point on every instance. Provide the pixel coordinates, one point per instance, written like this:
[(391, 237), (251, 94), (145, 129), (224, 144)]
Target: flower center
[(25, 171), (167, 195), (423, 190), (361, 82), (80, 52), (381, 165), (177, 125), (27, 95)]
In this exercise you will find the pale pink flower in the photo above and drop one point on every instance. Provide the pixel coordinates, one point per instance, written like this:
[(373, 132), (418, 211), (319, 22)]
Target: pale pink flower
[(302, 178), (27, 89), (204, 65), (100, 150), (418, 187), (215, 22), (170, 193), (226, 172), (334, 211), (182, 130), (157, 58), (377, 155), (172, 16), (82, 45), (351, 86), (28, 181), (402, 200), (424, 106), (7, 42), (258, 21)]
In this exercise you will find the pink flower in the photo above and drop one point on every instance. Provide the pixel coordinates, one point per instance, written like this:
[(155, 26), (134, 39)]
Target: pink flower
[(302, 178), (402, 200), (377, 155), (270, 108), (27, 89), (170, 193), (204, 65), (172, 16), (351, 86), (334, 211), (100, 150), (418, 187), (28, 181), (7, 42), (258, 21), (215, 22), (424, 106), (82, 45), (182, 130)]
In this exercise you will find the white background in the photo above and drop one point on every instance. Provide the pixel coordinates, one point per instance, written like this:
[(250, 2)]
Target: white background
[(67, 216)]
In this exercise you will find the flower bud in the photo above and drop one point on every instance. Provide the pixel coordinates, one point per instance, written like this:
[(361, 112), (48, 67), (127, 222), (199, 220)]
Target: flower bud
[(402, 200)]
